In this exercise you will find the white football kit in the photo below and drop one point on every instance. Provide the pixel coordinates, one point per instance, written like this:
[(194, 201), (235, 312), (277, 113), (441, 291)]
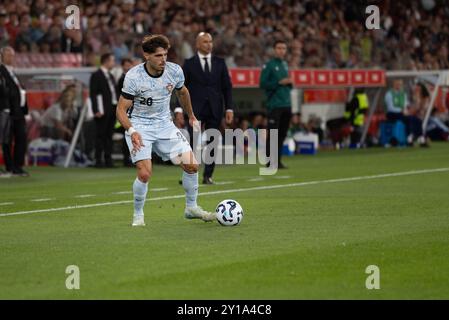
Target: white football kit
[(150, 113)]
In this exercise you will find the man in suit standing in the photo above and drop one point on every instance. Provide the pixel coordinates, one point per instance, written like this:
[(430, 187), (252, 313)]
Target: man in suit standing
[(13, 102), (103, 95), (207, 78)]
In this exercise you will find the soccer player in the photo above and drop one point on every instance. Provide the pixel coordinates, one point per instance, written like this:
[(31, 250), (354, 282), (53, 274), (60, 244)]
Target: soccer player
[(144, 111)]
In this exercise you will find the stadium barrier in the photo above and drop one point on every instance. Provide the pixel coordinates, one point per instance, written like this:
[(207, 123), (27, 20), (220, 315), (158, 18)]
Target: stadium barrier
[(323, 92)]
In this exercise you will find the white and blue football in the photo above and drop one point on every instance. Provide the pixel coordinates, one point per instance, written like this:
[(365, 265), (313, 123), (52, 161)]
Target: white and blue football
[(229, 213)]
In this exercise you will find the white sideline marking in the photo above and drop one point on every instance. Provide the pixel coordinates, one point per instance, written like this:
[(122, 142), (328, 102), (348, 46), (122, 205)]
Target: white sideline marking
[(158, 189), (282, 177), (255, 179), (289, 185), (123, 192), (220, 183), (42, 200), (6, 203), (130, 192), (85, 196)]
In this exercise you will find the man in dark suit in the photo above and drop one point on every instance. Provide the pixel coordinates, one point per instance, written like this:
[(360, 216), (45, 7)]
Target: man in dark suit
[(207, 78), (103, 95), (13, 102)]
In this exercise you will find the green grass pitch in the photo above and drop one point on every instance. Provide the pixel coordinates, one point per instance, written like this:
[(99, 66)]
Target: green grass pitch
[(298, 240)]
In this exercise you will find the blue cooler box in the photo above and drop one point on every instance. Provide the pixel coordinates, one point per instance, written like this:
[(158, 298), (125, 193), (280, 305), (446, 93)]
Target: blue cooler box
[(306, 143), (390, 130), (305, 147)]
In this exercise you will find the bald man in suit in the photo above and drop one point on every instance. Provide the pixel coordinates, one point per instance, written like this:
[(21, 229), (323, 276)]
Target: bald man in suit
[(210, 87)]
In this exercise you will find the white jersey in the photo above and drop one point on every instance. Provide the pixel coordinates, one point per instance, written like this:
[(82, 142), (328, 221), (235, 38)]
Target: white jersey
[(151, 94)]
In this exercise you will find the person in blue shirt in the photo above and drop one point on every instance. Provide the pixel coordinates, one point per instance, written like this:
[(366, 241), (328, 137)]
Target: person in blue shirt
[(397, 109)]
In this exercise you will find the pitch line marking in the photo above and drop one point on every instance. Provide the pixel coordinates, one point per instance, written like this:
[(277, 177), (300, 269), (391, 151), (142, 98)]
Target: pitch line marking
[(42, 199), (85, 196), (279, 186), (130, 192), (6, 203), (158, 189), (123, 192), (221, 183)]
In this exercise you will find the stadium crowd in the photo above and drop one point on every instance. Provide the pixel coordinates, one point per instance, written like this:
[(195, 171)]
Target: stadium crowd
[(414, 34)]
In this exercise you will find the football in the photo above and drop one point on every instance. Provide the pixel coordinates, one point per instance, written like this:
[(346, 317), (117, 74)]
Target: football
[(229, 213)]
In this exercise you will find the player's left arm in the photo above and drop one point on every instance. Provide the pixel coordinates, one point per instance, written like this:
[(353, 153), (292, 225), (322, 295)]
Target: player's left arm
[(183, 96)]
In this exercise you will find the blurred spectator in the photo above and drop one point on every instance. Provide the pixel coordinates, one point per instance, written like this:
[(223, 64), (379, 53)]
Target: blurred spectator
[(126, 64), (257, 121), (119, 48), (296, 125), (140, 24), (314, 125), (322, 33), (398, 109), (24, 38), (178, 118), (436, 128), (356, 110), (4, 35), (72, 41), (57, 121), (421, 100)]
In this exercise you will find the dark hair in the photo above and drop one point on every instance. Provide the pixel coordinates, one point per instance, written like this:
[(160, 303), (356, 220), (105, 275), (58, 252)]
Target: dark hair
[(152, 42), (278, 42), (65, 91), (125, 60), (423, 90), (104, 57)]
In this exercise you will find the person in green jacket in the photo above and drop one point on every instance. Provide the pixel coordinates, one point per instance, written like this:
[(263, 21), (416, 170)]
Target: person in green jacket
[(277, 84)]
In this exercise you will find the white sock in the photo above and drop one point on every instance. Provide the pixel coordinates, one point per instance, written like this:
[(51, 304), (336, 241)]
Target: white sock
[(190, 184), (140, 192)]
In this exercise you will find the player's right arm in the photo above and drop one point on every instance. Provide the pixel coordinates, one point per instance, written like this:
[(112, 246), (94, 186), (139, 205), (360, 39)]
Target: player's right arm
[(129, 92), (122, 116)]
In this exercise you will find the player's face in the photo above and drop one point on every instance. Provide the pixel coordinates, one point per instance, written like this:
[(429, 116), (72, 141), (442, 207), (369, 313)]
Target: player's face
[(280, 50), (157, 59), (204, 44)]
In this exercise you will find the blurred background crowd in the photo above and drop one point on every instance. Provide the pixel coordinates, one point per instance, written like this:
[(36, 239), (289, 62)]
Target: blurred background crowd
[(414, 34)]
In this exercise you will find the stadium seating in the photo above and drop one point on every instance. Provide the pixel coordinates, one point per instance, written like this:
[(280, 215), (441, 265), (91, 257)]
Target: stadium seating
[(48, 60)]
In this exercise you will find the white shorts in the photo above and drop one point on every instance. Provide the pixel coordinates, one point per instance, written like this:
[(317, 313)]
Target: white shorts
[(161, 137)]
